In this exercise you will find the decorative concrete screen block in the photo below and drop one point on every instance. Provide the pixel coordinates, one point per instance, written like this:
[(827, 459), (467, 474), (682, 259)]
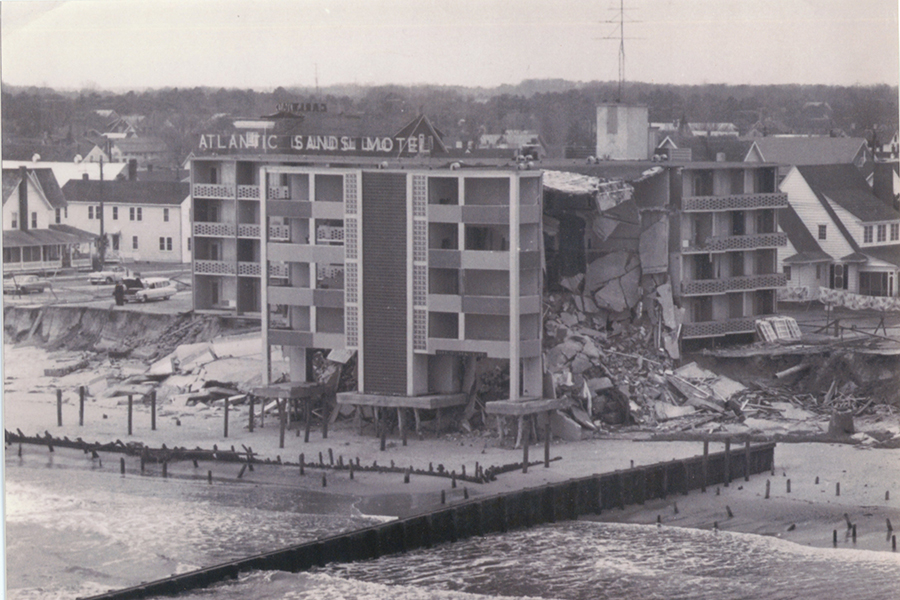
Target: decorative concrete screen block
[(351, 193)]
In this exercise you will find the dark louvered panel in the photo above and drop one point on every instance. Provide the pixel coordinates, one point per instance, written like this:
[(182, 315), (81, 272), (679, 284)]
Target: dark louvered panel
[(384, 282)]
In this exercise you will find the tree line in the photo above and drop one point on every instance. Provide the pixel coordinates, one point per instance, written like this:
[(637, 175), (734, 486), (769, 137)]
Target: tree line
[(562, 112)]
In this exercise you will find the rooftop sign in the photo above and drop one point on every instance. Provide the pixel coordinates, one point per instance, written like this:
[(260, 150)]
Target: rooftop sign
[(254, 142)]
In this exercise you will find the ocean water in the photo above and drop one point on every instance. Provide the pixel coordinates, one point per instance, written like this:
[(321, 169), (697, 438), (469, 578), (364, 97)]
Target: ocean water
[(74, 530)]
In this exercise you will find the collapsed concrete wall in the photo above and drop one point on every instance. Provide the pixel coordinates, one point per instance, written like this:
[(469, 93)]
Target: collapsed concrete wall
[(143, 335)]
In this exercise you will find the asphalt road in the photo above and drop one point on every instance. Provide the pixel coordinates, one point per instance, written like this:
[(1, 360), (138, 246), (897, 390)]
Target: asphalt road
[(75, 289)]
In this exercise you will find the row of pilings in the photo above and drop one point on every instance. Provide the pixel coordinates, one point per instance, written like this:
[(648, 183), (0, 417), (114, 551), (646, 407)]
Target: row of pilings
[(484, 515)]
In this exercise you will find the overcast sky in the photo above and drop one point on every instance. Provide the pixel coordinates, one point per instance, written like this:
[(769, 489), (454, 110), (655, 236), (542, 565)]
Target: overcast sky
[(131, 44)]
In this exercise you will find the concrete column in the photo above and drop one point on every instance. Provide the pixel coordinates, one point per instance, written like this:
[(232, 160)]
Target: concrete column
[(514, 325)]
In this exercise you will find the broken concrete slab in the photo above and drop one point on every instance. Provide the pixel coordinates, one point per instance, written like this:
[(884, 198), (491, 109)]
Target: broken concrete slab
[(580, 364), (631, 289), (654, 248), (565, 427), (236, 346), (573, 283), (611, 297), (571, 347), (665, 411), (664, 296), (604, 269), (599, 384)]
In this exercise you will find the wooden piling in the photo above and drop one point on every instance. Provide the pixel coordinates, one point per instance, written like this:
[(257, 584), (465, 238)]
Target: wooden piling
[(893, 543), (209, 477), (324, 480), (747, 460), (152, 410), (282, 421), (122, 466), (834, 538), (854, 533), (837, 488), (351, 469), (768, 484), (130, 409), (402, 424), (325, 418), (547, 434), (250, 416), (525, 441), (887, 495), (788, 486), (165, 469), (59, 408), (443, 497), (727, 461), (306, 419), (241, 472), (705, 475), (226, 417), (383, 424), (330, 456), (453, 479), (81, 406), (302, 461)]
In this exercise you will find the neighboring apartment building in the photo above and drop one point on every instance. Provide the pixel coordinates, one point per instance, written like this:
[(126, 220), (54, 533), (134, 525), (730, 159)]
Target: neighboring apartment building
[(857, 235), (411, 266), (143, 220), (35, 239), (723, 246)]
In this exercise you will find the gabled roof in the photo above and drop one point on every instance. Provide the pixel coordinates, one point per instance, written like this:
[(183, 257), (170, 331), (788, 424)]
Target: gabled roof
[(43, 179), (39, 237), (821, 150), (889, 254), (706, 149), (846, 186), (164, 193), (808, 249), (422, 124), (140, 144)]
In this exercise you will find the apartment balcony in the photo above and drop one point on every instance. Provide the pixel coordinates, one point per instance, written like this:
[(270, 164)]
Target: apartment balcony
[(490, 348), (214, 267), (710, 287), (279, 233), (249, 269), (707, 329), (733, 202), (217, 230), (248, 192), (249, 230), (731, 243), (212, 191), (279, 192)]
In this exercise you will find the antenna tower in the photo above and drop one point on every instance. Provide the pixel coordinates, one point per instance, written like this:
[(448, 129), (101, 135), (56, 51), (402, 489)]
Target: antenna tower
[(620, 36)]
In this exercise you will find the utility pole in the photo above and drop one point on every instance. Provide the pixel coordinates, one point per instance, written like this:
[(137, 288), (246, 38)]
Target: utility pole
[(101, 242)]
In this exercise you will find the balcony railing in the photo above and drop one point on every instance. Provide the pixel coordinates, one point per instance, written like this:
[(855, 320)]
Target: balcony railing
[(212, 190), (248, 192), (329, 235), (248, 269), (279, 192), (279, 233), (213, 267), (206, 229), (279, 271), (738, 242), (249, 230), (707, 329), (708, 287), (733, 202)]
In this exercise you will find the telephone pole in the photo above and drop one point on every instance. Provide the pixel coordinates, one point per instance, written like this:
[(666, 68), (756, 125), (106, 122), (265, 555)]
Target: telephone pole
[(101, 242)]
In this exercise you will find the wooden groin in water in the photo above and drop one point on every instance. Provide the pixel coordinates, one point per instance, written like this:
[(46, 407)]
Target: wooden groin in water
[(483, 515)]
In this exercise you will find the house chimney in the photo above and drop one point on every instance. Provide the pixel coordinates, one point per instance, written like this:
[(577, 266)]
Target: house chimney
[(720, 157), (84, 177), (23, 199), (132, 169)]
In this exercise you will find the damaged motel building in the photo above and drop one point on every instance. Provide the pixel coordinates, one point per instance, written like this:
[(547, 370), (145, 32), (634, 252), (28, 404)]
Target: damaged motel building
[(694, 244), (421, 262)]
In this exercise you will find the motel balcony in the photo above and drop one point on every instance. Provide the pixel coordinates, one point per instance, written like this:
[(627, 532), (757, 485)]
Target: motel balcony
[(241, 192), (730, 243), (709, 287), (733, 202), (708, 329)]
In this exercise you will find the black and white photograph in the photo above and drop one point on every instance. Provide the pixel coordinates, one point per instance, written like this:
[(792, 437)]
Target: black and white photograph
[(455, 300)]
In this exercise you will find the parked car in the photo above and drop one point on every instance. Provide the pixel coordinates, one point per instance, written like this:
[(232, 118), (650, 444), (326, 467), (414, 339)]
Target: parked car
[(110, 275), (151, 288), (24, 284)]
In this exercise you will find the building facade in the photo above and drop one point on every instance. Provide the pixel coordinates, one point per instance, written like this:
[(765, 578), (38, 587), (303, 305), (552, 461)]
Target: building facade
[(724, 241), (144, 221), (35, 237), (410, 267)]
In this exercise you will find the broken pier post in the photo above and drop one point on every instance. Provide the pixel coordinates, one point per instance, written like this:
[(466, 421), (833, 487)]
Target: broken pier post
[(81, 406), (152, 410), (130, 410), (59, 408)]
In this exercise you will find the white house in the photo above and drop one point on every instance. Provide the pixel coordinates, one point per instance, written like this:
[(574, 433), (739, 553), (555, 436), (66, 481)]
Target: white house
[(35, 239), (855, 237), (67, 171), (143, 220)]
